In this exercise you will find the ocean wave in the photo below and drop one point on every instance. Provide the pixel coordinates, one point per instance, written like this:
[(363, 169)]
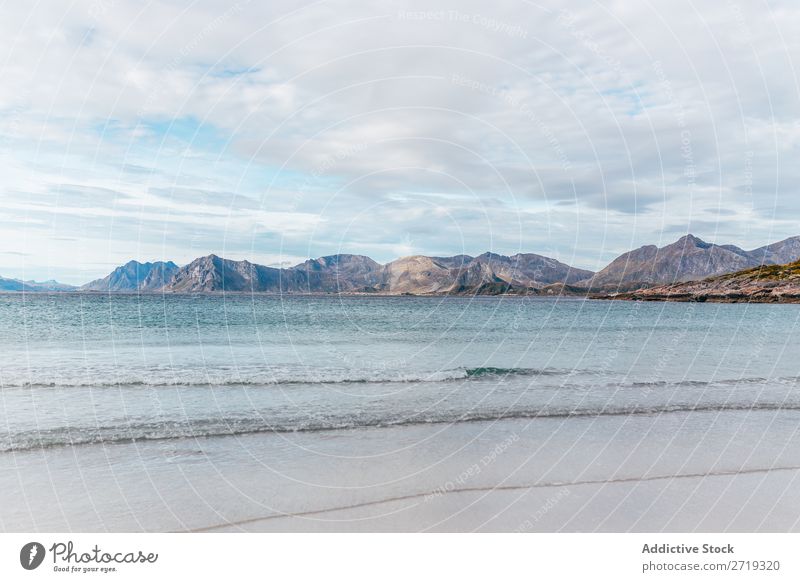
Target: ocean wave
[(492, 371), (267, 377), (587, 379), (240, 426)]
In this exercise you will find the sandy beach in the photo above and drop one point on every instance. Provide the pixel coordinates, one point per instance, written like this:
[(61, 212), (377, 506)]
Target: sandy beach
[(697, 471)]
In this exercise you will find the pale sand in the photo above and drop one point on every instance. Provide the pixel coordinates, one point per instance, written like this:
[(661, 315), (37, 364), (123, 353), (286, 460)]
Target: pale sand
[(674, 472)]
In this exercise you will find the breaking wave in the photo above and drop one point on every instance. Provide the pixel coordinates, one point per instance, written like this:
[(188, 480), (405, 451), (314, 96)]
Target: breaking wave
[(215, 427), (269, 376), (276, 376)]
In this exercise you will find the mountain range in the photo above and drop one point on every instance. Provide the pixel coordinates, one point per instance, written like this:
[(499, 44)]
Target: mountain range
[(688, 259), (7, 285), (345, 273), (763, 284)]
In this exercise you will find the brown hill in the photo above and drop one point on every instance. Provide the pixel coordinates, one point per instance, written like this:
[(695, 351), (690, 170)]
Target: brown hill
[(688, 259), (763, 284)]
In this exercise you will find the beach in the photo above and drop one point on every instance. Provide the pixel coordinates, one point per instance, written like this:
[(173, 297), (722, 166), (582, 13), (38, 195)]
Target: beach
[(244, 413), (688, 472)]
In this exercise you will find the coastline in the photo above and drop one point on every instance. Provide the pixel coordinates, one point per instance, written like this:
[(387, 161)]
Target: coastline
[(347, 295), (684, 298), (588, 295), (544, 475)]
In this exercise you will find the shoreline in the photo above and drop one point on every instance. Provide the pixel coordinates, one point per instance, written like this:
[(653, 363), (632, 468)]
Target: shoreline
[(591, 296), (687, 298), (723, 475), (580, 474)]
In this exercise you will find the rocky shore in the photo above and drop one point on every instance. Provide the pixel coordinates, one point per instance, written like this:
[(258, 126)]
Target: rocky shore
[(765, 284)]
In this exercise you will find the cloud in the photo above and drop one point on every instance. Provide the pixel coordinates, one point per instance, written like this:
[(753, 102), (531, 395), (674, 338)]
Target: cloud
[(258, 129)]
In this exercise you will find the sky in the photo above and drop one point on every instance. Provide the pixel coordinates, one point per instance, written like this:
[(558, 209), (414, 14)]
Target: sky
[(277, 131)]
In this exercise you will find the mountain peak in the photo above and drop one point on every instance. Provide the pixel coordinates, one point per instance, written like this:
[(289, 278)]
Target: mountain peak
[(688, 259), (692, 240), (134, 276), (489, 255)]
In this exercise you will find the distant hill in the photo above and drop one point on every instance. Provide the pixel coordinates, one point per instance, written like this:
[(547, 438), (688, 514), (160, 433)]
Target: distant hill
[(763, 284), (688, 259), (341, 273), (33, 286), (531, 270), (135, 276), (418, 275), (213, 273), (779, 253)]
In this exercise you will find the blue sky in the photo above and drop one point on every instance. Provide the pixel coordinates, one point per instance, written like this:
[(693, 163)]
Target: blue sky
[(166, 131)]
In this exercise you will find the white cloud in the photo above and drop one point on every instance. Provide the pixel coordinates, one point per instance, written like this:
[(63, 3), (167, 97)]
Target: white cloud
[(257, 129)]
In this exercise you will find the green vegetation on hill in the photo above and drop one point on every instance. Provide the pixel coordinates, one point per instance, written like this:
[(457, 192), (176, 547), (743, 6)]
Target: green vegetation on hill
[(766, 273)]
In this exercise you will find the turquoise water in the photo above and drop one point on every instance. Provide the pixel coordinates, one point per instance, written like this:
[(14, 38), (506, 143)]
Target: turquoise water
[(89, 369)]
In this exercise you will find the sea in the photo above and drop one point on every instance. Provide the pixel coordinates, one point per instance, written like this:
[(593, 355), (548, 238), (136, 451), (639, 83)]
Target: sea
[(198, 375)]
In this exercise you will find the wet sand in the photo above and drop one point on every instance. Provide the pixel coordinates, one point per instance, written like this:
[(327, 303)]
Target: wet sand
[(697, 471)]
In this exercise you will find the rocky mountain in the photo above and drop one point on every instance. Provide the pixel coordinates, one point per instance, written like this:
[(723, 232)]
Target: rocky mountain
[(341, 273), (688, 259), (779, 253), (160, 274), (455, 262), (488, 273), (763, 284), (212, 273), (531, 270), (135, 276), (11, 284), (418, 275), (33, 286)]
